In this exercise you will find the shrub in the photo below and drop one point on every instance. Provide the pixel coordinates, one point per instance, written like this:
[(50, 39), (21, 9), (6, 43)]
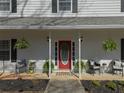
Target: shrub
[(46, 66), (121, 83), (111, 85), (96, 83)]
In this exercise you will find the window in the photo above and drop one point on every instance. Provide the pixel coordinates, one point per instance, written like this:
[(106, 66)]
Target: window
[(8, 50), (4, 50), (5, 5), (65, 5)]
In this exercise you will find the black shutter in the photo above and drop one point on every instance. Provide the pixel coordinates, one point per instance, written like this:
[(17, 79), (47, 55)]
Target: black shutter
[(122, 5), (56, 52), (74, 6), (54, 6), (13, 50), (73, 52), (122, 49), (14, 6)]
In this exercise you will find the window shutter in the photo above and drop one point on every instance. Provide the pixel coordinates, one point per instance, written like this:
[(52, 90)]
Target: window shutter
[(54, 6), (122, 5), (14, 6), (13, 51), (56, 52), (73, 52), (74, 6)]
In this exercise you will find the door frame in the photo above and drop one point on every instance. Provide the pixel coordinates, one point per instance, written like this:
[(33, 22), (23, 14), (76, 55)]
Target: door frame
[(70, 53)]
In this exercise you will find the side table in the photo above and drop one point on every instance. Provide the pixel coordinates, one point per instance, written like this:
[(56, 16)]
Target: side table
[(103, 68)]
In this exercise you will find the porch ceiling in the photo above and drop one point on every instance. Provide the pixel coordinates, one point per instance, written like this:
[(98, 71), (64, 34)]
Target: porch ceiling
[(62, 23)]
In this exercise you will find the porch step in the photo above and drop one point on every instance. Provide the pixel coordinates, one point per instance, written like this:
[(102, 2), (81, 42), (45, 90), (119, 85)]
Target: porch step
[(62, 70), (63, 74)]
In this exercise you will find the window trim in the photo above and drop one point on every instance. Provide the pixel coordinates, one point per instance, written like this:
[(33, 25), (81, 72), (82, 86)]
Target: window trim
[(10, 9), (68, 11)]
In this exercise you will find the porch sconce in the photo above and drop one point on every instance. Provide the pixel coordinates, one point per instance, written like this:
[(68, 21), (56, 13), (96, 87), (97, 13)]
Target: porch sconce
[(47, 38), (81, 38)]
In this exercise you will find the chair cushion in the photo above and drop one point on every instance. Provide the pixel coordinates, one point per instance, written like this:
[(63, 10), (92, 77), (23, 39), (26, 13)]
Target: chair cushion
[(117, 63), (116, 67), (96, 67)]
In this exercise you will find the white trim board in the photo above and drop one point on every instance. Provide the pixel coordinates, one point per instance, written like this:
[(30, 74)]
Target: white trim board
[(62, 27)]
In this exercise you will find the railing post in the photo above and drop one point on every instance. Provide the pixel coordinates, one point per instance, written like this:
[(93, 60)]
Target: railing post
[(79, 39), (50, 54), (3, 66)]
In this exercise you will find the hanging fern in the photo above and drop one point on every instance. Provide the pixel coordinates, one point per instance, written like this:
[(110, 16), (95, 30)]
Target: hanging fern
[(22, 44), (109, 45)]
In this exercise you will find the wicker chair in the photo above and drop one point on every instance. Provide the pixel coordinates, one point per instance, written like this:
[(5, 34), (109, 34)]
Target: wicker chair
[(117, 67), (93, 66)]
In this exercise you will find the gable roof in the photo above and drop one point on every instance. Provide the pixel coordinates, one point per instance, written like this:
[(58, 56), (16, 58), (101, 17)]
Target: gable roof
[(62, 23)]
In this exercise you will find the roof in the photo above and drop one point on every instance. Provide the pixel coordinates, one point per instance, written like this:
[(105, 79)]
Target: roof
[(61, 22)]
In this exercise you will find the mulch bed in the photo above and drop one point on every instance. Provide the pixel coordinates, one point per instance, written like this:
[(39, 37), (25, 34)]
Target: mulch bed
[(90, 88), (24, 85)]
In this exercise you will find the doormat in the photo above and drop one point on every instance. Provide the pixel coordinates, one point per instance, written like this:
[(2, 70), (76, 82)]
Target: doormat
[(63, 74)]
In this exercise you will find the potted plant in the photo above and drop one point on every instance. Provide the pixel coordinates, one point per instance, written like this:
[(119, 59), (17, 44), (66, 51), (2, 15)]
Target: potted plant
[(31, 67), (83, 66), (46, 67), (21, 44), (109, 45)]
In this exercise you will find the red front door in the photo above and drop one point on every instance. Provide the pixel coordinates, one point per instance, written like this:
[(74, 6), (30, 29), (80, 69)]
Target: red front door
[(64, 54)]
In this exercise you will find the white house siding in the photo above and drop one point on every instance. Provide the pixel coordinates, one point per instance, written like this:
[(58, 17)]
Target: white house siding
[(92, 42), (86, 8), (38, 51)]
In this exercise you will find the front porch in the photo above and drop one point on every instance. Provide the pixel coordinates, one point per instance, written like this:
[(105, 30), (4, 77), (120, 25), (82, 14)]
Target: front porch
[(45, 44)]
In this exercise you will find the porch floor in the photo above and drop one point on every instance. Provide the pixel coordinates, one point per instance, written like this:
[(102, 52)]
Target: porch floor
[(9, 76), (62, 76)]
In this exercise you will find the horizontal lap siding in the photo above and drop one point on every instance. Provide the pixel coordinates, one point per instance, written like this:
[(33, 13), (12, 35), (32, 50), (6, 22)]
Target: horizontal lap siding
[(43, 8), (99, 7)]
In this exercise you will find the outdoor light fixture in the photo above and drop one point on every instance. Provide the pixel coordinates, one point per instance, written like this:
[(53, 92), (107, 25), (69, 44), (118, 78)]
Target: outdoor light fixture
[(81, 38), (47, 38)]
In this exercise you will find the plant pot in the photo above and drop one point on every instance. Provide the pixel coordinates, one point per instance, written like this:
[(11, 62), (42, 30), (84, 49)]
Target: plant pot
[(83, 71)]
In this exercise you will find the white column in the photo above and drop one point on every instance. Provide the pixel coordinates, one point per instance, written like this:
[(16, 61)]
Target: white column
[(50, 55), (79, 56)]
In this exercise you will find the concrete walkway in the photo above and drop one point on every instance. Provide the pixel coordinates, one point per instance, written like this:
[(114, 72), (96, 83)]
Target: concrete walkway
[(64, 86)]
